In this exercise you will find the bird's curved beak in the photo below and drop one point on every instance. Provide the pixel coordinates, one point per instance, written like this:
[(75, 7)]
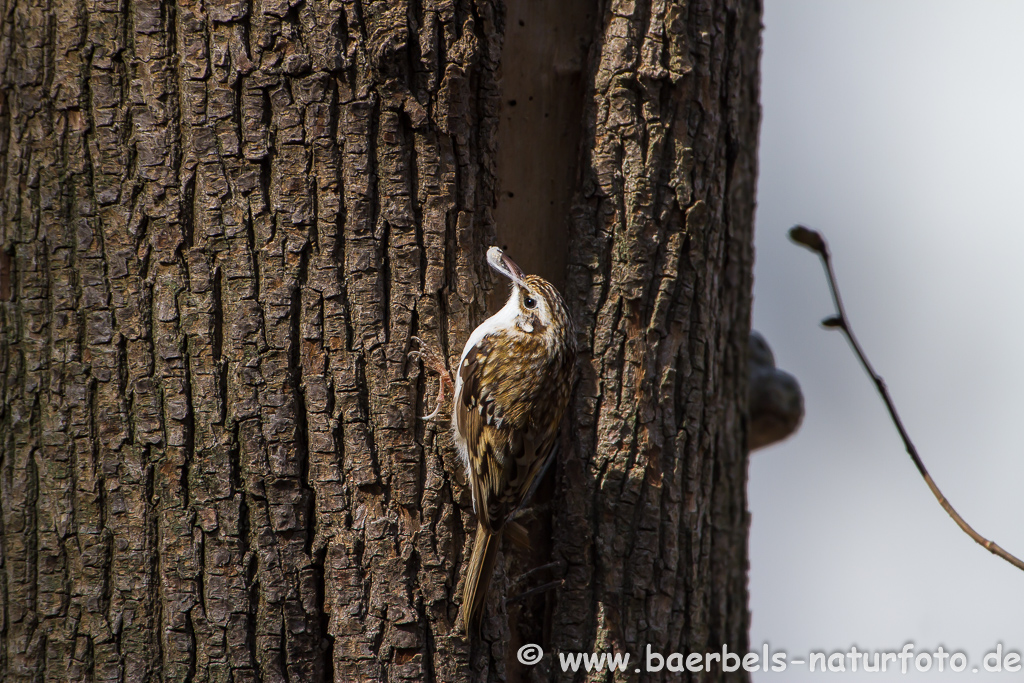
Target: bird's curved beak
[(500, 261)]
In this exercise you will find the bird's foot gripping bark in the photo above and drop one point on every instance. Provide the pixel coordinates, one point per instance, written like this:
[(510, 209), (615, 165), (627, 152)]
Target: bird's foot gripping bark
[(432, 360)]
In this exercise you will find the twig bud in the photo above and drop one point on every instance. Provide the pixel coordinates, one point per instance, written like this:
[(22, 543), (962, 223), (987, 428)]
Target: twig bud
[(806, 237)]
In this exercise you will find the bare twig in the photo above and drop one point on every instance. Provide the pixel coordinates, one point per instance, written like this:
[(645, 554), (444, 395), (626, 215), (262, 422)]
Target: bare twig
[(526, 576), (816, 243), (544, 588)]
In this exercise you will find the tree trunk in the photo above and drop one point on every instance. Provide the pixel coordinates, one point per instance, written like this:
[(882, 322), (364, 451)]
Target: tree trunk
[(222, 222)]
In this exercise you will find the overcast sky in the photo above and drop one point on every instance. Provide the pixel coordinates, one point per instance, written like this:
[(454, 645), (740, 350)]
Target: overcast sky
[(896, 129)]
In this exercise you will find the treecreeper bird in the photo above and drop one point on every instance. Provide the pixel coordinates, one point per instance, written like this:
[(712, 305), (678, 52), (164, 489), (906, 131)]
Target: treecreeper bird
[(512, 386)]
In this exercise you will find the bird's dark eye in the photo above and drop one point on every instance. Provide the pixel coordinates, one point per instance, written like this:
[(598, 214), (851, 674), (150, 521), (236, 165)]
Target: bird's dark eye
[(530, 302)]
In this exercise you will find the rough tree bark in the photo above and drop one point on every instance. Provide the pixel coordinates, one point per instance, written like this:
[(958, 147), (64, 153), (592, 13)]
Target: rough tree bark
[(222, 221)]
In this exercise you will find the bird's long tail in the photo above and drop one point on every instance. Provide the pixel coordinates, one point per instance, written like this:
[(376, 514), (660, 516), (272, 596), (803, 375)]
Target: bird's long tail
[(478, 578)]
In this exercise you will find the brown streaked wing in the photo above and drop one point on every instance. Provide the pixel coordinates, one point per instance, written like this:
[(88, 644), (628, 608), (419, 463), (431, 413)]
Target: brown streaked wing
[(491, 448)]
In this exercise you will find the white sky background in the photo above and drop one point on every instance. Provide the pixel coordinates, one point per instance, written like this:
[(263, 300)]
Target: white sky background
[(896, 129)]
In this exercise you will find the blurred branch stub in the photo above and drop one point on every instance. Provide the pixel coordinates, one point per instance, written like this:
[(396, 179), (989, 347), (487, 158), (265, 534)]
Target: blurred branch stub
[(776, 403)]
